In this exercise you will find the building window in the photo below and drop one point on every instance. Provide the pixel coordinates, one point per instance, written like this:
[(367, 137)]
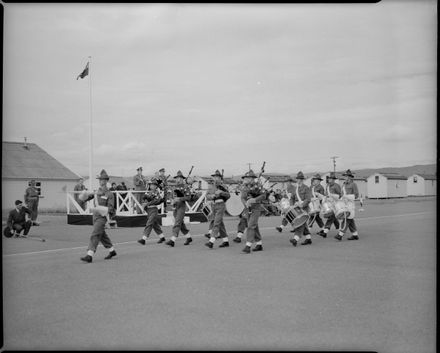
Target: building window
[(376, 179), (415, 179)]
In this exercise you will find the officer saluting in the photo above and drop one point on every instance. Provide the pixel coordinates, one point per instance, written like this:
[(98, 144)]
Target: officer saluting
[(219, 197), (181, 194)]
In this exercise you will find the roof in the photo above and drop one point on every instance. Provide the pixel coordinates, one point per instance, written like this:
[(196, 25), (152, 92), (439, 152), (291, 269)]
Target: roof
[(428, 176), (277, 178), (20, 161)]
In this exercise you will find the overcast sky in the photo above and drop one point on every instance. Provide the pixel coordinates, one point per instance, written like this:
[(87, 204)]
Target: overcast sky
[(220, 86)]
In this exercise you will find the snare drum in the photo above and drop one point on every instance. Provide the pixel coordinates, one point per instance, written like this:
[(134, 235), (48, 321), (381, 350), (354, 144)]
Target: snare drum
[(341, 209), (314, 206), (296, 217), (327, 208)]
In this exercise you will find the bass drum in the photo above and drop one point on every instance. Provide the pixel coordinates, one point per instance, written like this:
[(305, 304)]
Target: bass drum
[(234, 206)]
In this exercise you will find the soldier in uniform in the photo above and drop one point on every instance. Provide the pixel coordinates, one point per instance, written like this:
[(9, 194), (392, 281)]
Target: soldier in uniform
[(289, 191), (162, 182), (333, 190), (140, 184), (103, 197), (152, 200), (31, 198), (181, 194), (301, 199), (219, 198), (349, 193), (254, 194), (248, 178), (317, 192), (80, 187)]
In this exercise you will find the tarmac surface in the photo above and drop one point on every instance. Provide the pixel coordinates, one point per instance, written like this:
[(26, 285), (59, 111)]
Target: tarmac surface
[(374, 294)]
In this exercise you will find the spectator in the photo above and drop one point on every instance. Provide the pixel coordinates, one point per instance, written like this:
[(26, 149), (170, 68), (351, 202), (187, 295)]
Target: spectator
[(31, 198), (17, 220)]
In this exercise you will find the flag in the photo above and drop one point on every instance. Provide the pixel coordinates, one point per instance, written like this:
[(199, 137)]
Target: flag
[(84, 73)]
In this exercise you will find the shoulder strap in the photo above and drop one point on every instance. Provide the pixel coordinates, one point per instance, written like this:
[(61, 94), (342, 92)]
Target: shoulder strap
[(297, 194)]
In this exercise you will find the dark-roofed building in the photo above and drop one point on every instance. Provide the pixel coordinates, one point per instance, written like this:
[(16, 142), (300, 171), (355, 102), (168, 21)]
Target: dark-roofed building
[(22, 162), (386, 185), (422, 185)]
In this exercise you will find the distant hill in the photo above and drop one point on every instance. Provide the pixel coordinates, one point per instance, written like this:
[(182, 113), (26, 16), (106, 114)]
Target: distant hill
[(405, 171)]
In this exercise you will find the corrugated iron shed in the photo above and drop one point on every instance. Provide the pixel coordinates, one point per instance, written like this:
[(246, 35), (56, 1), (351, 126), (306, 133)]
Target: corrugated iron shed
[(29, 161)]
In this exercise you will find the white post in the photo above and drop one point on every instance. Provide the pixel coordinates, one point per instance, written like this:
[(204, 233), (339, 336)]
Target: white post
[(90, 129)]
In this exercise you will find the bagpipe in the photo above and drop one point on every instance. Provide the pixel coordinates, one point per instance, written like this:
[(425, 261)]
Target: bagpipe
[(183, 189), (256, 189)]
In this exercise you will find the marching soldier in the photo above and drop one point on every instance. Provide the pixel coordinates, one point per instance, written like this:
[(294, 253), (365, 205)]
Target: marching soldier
[(254, 194), (162, 182), (333, 190), (219, 198), (152, 200), (103, 197), (140, 184), (248, 178), (31, 198), (181, 194), (301, 199), (349, 194), (289, 191), (317, 192)]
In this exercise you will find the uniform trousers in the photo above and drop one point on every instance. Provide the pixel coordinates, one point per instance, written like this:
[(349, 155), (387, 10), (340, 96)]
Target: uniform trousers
[(179, 224), (350, 224), (318, 220), (243, 223), (218, 226), (331, 220), (32, 204), (253, 231), (99, 234), (153, 221)]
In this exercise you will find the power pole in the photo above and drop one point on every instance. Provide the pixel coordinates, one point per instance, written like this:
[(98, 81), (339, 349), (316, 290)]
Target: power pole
[(249, 164), (334, 163)]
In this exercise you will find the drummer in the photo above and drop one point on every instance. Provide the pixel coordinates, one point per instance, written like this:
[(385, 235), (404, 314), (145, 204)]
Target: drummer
[(219, 197), (301, 199), (286, 195), (333, 190), (349, 193), (248, 179), (317, 192)]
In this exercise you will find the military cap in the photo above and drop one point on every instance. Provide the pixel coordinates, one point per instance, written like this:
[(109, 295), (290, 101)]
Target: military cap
[(317, 176), (17, 202), (348, 173), (161, 169), (140, 168), (179, 175), (300, 175), (249, 174), (153, 181), (103, 175), (217, 173)]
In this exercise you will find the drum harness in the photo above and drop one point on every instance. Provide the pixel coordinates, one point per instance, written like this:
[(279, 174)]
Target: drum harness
[(313, 218)]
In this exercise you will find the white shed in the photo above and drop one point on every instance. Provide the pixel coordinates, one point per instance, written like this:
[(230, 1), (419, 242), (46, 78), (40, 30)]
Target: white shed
[(386, 185), (422, 185), (23, 162)]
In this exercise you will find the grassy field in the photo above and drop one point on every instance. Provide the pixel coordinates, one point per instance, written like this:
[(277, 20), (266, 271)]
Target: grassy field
[(375, 294)]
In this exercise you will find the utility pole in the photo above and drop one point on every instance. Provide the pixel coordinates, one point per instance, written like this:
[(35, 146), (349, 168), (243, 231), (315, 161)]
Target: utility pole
[(334, 163), (249, 164)]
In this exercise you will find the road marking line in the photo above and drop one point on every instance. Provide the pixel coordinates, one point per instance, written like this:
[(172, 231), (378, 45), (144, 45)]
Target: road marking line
[(199, 235)]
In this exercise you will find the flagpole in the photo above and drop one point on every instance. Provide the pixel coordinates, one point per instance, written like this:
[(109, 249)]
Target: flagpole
[(90, 129)]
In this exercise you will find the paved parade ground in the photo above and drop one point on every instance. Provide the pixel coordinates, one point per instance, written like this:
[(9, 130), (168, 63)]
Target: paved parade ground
[(374, 294)]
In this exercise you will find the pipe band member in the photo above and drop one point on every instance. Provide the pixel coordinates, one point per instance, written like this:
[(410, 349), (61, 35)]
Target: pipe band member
[(254, 194), (219, 196), (152, 199), (181, 194), (301, 199), (103, 197), (349, 194), (333, 191)]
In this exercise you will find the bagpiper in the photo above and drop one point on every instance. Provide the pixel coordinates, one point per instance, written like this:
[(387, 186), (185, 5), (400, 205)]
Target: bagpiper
[(254, 194), (219, 197), (152, 199), (181, 194)]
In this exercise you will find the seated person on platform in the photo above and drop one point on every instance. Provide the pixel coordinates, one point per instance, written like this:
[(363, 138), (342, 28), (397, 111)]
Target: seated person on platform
[(18, 221)]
